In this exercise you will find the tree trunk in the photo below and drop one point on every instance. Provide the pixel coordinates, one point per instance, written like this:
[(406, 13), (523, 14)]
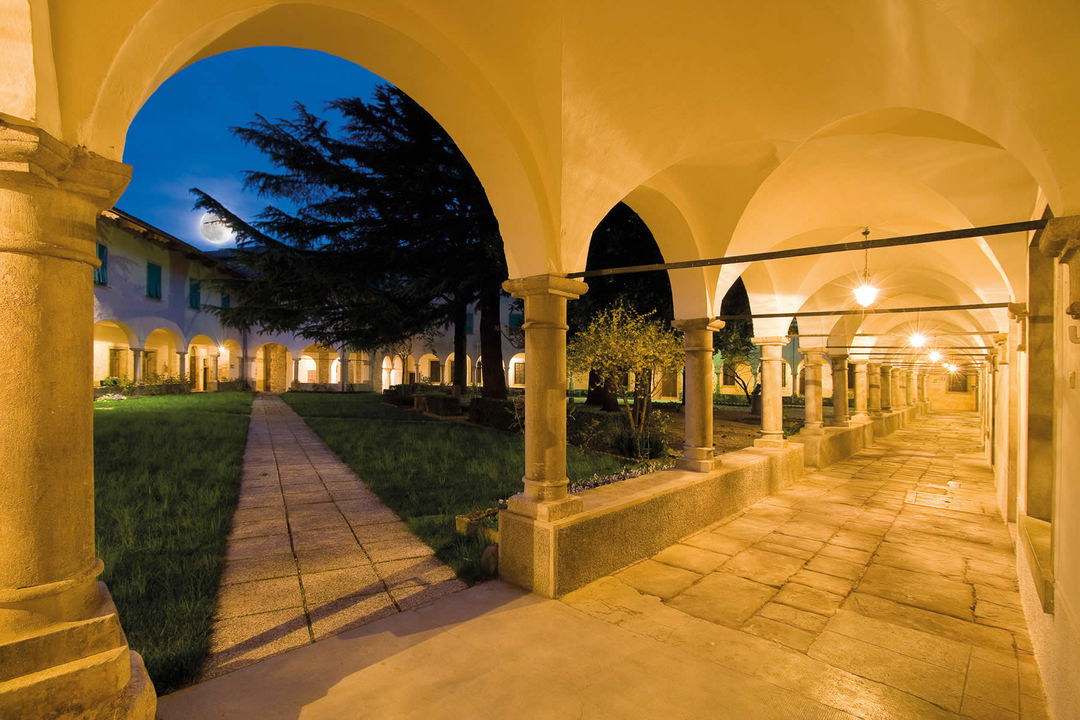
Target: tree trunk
[(461, 364), (491, 358), (601, 395)]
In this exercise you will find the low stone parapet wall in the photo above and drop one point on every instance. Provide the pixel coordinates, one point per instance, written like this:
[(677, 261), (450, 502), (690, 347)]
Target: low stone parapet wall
[(836, 443), (630, 520)]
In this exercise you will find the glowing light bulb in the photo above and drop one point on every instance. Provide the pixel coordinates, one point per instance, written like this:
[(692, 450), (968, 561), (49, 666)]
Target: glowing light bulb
[(865, 294), (934, 356), (221, 348), (917, 340)]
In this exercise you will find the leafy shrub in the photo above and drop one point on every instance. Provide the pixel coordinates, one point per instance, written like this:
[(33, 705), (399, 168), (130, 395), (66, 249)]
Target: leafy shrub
[(496, 413), (402, 394), (610, 432), (437, 403)]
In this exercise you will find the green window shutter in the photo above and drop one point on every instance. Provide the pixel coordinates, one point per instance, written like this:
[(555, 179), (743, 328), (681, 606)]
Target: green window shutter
[(195, 295), (153, 281), (101, 272)]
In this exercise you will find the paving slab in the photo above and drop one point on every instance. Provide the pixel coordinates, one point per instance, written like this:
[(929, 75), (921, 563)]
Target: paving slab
[(312, 552)]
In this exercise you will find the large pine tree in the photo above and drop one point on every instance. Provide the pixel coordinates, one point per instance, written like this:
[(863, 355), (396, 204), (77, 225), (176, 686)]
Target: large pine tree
[(389, 233)]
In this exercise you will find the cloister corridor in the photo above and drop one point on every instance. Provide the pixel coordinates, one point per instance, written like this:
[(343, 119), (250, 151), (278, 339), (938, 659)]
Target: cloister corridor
[(880, 587)]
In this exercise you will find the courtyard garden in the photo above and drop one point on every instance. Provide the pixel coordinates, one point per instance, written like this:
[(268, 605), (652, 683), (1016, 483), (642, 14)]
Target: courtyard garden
[(428, 471), (167, 474)]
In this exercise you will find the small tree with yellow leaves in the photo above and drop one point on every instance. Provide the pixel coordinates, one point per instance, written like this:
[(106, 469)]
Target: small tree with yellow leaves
[(627, 350)]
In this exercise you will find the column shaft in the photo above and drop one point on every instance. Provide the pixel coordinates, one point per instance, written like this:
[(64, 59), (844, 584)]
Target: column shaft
[(57, 622), (814, 415), (862, 388), (886, 388), (873, 396), (545, 496), (181, 365), (698, 451), (840, 390), (137, 364), (772, 386)]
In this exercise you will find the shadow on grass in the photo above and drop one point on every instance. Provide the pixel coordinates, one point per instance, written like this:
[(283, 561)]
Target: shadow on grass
[(428, 471), (166, 479)]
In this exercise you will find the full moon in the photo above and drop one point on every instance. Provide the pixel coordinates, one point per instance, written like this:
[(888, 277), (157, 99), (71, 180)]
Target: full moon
[(214, 231)]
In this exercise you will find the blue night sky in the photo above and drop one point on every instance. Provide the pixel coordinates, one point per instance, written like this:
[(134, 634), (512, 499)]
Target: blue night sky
[(180, 139)]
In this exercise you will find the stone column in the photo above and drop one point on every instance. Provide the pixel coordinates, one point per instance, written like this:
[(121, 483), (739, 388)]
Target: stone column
[(873, 385), (698, 450), (322, 368), (344, 379), (814, 415), (772, 388), (59, 631), (545, 497), (896, 396), (839, 390), (296, 369), (181, 365), (886, 388), (912, 388), (922, 386), (861, 390), (137, 364)]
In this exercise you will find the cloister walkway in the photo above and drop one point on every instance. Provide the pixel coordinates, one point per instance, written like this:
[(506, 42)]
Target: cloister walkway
[(880, 587), (312, 551)]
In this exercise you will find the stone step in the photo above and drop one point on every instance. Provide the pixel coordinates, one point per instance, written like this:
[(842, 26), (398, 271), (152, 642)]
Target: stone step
[(89, 688), (60, 644)]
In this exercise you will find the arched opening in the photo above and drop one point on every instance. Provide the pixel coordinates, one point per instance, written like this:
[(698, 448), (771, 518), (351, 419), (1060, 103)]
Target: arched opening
[(515, 371), (159, 354), (113, 359), (229, 361), (203, 355)]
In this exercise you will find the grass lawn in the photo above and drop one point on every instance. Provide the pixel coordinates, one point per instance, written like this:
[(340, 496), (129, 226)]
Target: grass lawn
[(167, 474), (427, 470)]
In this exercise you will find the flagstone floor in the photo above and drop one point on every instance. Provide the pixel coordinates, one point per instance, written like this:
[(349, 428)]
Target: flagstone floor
[(312, 551), (882, 587)]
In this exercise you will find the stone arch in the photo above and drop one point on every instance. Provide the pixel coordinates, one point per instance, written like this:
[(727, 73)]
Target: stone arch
[(112, 357), (155, 42), (160, 352)]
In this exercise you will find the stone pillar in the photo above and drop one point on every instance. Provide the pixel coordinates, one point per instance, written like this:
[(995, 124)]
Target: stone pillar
[(873, 384), (772, 389), (545, 496), (862, 387), (698, 451), (296, 369), (814, 415), (137, 356), (922, 386), (344, 379), (59, 631), (886, 388), (912, 387), (181, 365), (896, 396), (839, 390), (322, 368)]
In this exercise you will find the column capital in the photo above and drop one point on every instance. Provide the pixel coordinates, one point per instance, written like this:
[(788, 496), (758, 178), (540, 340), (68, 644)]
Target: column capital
[(51, 194), (775, 340), (839, 357), (571, 288), (698, 324), (859, 362), (811, 352)]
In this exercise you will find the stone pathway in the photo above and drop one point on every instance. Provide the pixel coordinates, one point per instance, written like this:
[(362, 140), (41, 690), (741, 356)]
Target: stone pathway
[(312, 552), (883, 586)]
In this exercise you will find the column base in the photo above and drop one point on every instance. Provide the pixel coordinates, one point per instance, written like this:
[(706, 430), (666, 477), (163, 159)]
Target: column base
[(81, 669), (840, 423), (771, 442), (695, 465), (544, 511), (814, 428), (860, 418)]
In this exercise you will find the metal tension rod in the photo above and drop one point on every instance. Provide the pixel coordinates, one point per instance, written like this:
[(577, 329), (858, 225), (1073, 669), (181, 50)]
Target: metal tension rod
[(908, 347), (865, 311), (929, 335), (1004, 229)]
